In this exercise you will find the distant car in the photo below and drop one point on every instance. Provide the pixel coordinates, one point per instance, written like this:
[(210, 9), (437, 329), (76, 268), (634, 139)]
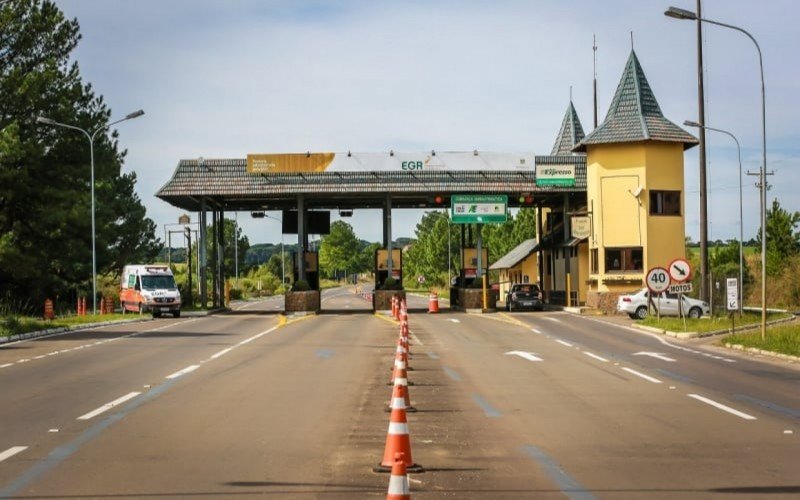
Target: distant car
[(524, 296), (635, 305)]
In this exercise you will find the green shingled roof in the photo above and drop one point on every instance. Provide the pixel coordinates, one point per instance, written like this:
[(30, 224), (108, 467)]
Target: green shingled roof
[(634, 115), (571, 133)]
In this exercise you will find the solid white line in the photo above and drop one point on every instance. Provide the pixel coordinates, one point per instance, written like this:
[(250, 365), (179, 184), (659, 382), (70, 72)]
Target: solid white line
[(595, 356), (221, 353), (6, 365), (722, 407), (454, 320), (552, 319), (534, 330), (11, 452), (186, 370), (416, 339), (564, 343), (108, 406), (642, 375)]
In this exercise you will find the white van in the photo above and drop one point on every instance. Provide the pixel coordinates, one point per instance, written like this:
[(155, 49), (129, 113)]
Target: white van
[(150, 288)]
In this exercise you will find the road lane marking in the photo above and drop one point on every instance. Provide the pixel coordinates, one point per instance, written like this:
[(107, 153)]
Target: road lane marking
[(108, 406), (221, 353), (488, 409), (11, 452), (657, 355), (6, 365), (562, 342), (552, 319), (179, 373), (432, 355), (534, 330), (595, 356), (722, 407), (642, 375), (530, 356), (454, 320), (452, 374), (416, 339), (567, 484)]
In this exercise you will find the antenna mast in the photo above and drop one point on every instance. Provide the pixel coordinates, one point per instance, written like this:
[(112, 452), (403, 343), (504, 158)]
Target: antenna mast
[(594, 83)]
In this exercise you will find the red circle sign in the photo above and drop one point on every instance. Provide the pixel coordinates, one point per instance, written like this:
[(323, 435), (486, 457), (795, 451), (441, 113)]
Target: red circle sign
[(680, 270), (657, 279)]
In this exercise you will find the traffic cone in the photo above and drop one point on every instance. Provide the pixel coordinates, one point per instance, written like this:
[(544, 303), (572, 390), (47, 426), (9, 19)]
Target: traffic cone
[(398, 482), (397, 441), (399, 372), (400, 397), (394, 306), (433, 302)]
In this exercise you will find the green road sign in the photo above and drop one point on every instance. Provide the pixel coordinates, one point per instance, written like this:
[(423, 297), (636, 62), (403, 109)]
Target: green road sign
[(479, 208)]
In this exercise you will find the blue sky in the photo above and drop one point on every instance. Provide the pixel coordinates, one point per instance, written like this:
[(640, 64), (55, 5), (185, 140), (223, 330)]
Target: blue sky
[(224, 78)]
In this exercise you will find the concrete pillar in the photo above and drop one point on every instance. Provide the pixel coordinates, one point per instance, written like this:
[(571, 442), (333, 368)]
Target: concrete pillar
[(201, 245), (479, 248), (221, 257), (301, 237), (387, 225)]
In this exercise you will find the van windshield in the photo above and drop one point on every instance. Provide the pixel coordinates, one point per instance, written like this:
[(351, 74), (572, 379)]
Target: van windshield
[(158, 282)]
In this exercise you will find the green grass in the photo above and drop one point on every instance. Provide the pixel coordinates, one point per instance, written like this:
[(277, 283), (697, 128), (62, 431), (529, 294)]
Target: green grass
[(783, 339), (706, 325), (14, 325)]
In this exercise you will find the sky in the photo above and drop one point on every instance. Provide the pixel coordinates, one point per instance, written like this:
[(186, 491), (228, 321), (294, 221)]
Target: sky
[(225, 78)]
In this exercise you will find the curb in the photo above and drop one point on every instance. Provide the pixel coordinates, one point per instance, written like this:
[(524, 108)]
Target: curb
[(727, 331), (755, 350), (65, 329)]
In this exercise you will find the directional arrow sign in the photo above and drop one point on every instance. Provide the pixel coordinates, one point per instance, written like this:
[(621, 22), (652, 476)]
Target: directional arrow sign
[(530, 356), (656, 355), (680, 270)]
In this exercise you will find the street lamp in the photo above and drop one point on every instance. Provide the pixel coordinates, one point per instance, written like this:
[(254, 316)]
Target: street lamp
[(677, 13), (690, 123), (283, 255), (51, 122)]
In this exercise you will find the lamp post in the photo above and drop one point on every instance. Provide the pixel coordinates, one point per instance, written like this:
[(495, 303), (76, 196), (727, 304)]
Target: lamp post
[(690, 123), (283, 255), (677, 13), (51, 122)]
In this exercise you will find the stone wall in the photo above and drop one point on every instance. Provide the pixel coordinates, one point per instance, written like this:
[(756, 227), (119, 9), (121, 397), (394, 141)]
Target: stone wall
[(472, 298), (305, 301), (382, 299), (603, 301)]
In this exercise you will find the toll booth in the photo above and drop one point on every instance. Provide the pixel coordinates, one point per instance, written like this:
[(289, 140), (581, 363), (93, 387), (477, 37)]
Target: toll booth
[(469, 271), (382, 266), (312, 268)]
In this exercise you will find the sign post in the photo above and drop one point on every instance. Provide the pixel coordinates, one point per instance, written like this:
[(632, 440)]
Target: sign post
[(732, 294), (680, 271), (657, 281)]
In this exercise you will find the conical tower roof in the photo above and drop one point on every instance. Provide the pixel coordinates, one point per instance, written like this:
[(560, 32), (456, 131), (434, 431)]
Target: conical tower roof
[(571, 133), (634, 115)]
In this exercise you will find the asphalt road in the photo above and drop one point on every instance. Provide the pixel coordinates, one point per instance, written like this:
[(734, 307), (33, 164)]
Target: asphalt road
[(530, 405)]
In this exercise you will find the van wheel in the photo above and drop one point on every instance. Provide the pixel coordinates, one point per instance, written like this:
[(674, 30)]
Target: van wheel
[(695, 312), (641, 312), (176, 314)]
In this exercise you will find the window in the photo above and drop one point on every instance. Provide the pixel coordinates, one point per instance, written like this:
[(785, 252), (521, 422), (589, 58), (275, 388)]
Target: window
[(624, 259), (594, 261), (665, 202)]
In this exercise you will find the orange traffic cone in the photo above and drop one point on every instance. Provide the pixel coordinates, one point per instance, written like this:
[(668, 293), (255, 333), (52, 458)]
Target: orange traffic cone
[(399, 372), (394, 306), (397, 441), (398, 482), (433, 302), (400, 397)]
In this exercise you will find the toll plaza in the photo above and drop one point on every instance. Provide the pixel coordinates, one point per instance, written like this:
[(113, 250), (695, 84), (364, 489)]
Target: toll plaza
[(307, 187)]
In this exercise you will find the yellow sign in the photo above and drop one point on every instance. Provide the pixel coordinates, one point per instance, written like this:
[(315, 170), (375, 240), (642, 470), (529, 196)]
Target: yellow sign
[(382, 259), (580, 227), (288, 162)]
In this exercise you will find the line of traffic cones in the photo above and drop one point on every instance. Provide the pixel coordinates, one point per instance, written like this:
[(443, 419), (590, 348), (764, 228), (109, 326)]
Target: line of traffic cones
[(397, 457)]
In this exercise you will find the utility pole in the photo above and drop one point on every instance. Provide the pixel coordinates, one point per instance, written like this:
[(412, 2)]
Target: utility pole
[(701, 119)]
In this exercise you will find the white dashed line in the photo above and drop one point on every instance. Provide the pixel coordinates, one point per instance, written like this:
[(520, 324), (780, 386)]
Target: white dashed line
[(642, 375), (548, 318), (221, 353), (564, 343), (534, 330), (11, 452), (108, 406), (6, 365), (186, 370), (595, 356), (722, 407), (454, 320)]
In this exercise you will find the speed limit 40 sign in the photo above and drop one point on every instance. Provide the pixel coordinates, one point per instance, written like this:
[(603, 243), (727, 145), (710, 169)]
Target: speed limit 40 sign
[(658, 279)]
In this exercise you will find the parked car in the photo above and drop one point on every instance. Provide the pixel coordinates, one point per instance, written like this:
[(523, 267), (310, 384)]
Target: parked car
[(635, 305), (524, 295)]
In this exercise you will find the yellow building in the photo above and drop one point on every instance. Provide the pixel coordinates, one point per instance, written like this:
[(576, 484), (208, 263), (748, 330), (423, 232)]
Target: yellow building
[(635, 190), (517, 266)]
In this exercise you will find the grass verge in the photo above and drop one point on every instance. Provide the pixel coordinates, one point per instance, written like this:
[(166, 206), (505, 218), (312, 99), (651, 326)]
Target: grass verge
[(784, 339), (706, 325), (15, 325)]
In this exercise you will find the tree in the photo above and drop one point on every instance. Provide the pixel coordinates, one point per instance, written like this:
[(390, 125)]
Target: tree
[(339, 250), (229, 252), (783, 240), (428, 254), (45, 200)]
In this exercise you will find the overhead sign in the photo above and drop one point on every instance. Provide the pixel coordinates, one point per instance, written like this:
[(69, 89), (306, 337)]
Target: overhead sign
[(680, 270), (657, 279), (479, 208), (555, 175), (732, 293), (388, 161), (680, 288), (580, 227)]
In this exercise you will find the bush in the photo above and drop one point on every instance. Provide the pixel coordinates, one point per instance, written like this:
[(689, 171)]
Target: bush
[(236, 294), (391, 284), (301, 286)]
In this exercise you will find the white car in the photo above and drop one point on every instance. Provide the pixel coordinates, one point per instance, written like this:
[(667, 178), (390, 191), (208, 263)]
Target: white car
[(635, 305)]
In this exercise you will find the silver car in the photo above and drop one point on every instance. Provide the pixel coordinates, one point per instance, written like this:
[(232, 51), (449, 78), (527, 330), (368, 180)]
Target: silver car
[(635, 305)]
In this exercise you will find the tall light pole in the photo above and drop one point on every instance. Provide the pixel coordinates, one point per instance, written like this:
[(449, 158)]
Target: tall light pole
[(677, 13), (689, 123), (283, 255), (91, 136)]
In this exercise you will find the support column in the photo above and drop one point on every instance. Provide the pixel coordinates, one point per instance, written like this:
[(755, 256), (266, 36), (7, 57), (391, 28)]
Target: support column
[(221, 258), (540, 253), (201, 246), (387, 224), (214, 260), (479, 248), (301, 238)]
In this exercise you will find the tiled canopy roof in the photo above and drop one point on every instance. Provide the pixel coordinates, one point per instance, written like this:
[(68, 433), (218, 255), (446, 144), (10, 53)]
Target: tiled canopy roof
[(571, 132), (634, 115), (225, 183)]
